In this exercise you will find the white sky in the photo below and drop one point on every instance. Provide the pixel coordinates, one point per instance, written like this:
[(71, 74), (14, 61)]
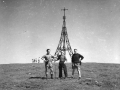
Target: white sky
[(29, 27)]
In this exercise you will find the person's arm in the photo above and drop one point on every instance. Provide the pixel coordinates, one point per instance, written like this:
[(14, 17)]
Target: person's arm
[(72, 61), (72, 58), (53, 57), (57, 58), (65, 58), (81, 57), (43, 58)]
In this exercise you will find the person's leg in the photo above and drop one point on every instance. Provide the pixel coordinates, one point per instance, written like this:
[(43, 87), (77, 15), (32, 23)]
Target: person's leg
[(51, 69), (51, 72), (60, 70), (46, 71), (79, 73), (73, 69), (65, 71)]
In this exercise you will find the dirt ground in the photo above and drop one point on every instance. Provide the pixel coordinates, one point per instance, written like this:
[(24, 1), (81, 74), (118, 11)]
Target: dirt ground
[(95, 76)]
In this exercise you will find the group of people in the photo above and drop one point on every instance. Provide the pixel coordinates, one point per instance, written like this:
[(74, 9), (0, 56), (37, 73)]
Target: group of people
[(76, 62)]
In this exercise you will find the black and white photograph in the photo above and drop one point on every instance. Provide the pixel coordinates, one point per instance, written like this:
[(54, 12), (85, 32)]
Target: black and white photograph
[(59, 44)]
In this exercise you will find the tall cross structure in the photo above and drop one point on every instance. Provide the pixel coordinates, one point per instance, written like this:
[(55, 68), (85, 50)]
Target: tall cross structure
[(64, 44)]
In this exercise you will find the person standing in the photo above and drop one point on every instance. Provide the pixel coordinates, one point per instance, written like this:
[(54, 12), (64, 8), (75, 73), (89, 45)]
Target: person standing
[(76, 62), (48, 58), (62, 58)]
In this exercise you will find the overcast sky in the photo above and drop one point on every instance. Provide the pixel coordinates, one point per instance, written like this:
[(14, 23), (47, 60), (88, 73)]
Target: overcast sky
[(29, 27)]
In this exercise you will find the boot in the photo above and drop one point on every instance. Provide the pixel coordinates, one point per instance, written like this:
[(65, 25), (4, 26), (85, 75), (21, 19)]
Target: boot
[(46, 76), (51, 76)]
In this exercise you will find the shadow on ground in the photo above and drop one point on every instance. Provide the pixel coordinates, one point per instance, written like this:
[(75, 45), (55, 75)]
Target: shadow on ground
[(49, 78), (37, 77)]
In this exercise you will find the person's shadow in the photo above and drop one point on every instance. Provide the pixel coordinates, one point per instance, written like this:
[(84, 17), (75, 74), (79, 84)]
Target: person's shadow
[(37, 77), (46, 78)]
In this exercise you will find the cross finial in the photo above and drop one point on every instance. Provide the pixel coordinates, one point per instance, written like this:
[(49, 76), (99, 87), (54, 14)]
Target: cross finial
[(64, 10)]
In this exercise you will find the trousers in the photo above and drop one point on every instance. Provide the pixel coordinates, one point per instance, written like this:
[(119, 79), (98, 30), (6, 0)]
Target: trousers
[(63, 67), (48, 65)]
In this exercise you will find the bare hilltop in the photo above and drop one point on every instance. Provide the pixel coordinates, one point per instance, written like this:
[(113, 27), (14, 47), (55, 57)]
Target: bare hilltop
[(95, 76)]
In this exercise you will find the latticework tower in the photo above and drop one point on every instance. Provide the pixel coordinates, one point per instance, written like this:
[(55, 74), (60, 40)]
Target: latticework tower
[(64, 44)]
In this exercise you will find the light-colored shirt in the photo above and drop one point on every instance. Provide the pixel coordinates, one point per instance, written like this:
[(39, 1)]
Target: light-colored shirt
[(48, 57)]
